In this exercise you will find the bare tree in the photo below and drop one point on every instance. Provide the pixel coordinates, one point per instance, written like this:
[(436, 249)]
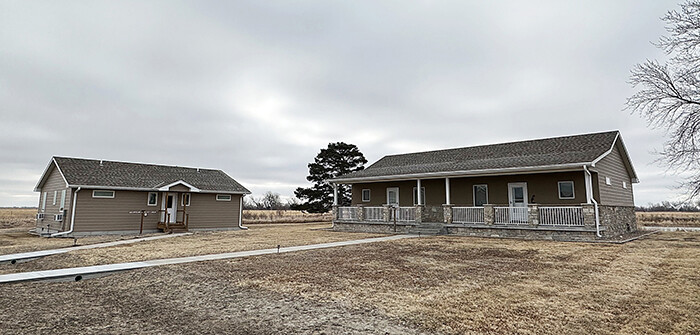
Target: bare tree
[(669, 94)]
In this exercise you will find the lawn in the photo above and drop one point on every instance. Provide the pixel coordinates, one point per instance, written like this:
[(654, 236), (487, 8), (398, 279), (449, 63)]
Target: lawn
[(451, 285), (669, 219)]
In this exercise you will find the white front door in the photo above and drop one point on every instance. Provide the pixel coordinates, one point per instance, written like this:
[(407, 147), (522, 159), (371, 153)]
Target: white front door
[(392, 196), (517, 201), (171, 207)]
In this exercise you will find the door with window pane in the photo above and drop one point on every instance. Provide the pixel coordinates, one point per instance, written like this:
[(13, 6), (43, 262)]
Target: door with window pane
[(392, 196), (517, 198)]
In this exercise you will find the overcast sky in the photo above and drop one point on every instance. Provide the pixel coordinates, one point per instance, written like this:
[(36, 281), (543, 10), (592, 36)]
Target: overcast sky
[(258, 88)]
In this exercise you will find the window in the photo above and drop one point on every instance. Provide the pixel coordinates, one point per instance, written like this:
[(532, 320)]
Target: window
[(392, 195), (365, 195), (152, 199), (607, 181), (481, 195), (43, 201), (422, 195), (186, 199), (55, 195), (624, 184), (63, 199), (102, 194), (223, 197), (566, 190)]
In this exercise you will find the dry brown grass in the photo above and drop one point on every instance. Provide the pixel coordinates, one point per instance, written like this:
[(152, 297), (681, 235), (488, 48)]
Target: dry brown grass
[(260, 236), (17, 217), (453, 285), (668, 219), (283, 216)]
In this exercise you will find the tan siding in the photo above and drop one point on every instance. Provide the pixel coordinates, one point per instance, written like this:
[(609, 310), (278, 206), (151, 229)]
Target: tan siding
[(99, 214), (54, 183), (543, 186), (205, 212), (612, 166)]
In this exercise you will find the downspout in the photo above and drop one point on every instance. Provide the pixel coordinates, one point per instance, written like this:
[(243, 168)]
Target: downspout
[(592, 199), (72, 215), (240, 214)]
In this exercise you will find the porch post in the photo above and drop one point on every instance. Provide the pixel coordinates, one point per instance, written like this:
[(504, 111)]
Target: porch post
[(418, 193), (488, 214), (335, 194), (447, 191), (533, 214)]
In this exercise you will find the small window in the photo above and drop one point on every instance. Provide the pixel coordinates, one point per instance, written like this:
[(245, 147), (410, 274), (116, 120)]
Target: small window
[(422, 195), (102, 194), (63, 199), (481, 195), (365, 195), (55, 195), (624, 184), (566, 190), (43, 201), (152, 199), (186, 199), (223, 197), (607, 181)]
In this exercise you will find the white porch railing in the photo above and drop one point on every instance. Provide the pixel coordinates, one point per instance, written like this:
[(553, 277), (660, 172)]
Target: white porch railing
[(561, 216), (374, 213), (347, 213), (510, 215), (406, 214), (468, 214)]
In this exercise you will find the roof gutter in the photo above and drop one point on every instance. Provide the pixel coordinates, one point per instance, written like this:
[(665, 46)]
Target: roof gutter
[(72, 216), (595, 203), (117, 188), (516, 170)]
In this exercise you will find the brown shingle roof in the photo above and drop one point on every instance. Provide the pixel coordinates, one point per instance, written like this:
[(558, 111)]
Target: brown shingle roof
[(96, 173), (515, 155)]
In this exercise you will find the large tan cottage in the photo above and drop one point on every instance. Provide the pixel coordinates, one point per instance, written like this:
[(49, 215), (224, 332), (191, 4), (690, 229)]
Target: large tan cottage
[(88, 196), (572, 187)]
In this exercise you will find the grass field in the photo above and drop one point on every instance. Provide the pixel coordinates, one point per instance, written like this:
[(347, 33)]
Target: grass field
[(668, 219), (450, 285), (283, 216)]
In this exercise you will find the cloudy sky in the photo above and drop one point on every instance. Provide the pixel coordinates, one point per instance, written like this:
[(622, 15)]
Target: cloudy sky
[(256, 88)]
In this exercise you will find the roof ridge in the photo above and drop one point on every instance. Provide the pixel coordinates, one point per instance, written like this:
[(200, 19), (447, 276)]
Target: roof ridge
[(137, 163), (497, 144)]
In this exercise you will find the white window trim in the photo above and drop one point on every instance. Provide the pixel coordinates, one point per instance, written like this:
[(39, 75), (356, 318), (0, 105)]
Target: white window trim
[(103, 196), (369, 195), (608, 181), (148, 199), (43, 201), (55, 195), (397, 194), (474, 193), (624, 184), (422, 193), (63, 199), (189, 199), (573, 190), (218, 197)]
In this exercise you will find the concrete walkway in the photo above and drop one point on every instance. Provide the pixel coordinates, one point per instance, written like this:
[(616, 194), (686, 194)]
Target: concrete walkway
[(671, 228), (86, 271), (25, 256)]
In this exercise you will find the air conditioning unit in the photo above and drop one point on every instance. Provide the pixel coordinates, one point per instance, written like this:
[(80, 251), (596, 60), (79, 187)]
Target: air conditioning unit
[(58, 217), (39, 216)]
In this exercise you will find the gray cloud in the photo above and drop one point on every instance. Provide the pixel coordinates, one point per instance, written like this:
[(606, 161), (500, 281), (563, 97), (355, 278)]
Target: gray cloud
[(257, 88)]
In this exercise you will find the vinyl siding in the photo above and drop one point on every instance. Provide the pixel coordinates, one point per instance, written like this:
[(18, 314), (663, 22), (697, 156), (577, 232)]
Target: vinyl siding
[(54, 183), (97, 214), (612, 166), (205, 212), (100, 214), (544, 186)]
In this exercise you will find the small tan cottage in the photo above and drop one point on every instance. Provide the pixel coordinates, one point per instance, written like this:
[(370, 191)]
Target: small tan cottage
[(87, 196), (571, 187)]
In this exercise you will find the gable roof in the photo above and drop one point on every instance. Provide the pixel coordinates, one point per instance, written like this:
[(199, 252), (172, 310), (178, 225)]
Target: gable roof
[(94, 173), (558, 153)]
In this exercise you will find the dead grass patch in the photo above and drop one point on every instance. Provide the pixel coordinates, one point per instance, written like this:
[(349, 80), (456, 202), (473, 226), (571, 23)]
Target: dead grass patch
[(668, 219)]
